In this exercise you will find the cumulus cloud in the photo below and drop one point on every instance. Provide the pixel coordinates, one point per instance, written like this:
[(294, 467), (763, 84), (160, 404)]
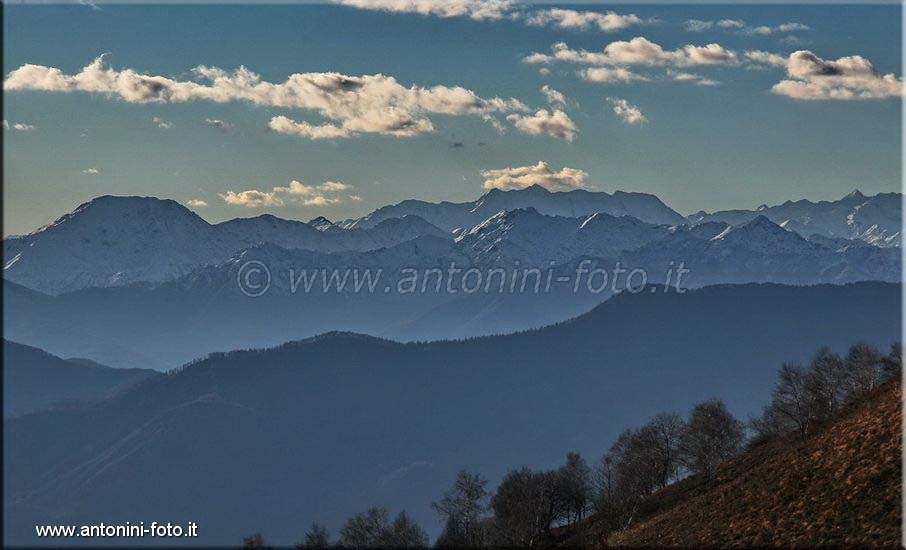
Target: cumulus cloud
[(630, 114), (766, 58), (20, 126), (323, 194), (474, 9), (553, 96), (851, 77), (638, 51), (541, 174), (91, 171), (355, 198), (197, 203), (554, 123), (609, 75), (161, 123), (583, 20), (286, 125), (251, 198), (351, 104)]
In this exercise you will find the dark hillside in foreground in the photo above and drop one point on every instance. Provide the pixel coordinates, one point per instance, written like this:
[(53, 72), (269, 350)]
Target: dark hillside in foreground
[(840, 488), (271, 440)]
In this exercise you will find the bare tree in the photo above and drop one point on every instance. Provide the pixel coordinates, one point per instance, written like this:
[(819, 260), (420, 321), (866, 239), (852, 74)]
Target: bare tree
[(865, 369), (255, 542), (711, 436), (525, 506), (405, 533), (372, 529), (316, 537), (577, 487), (462, 508)]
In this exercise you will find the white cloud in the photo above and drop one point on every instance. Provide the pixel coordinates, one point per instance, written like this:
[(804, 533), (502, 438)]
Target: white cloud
[(353, 104), (91, 171), (285, 125), (474, 9), (20, 126), (731, 24), (355, 198), (320, 200), (609, 75), (323, 194), (544, 71), (639, 51), (197, 203), (541, 174), (553, 96), (553, 123), (766, 30), (791, 27), (766, 58), (333, 186), (691, 77), (583, 20), (697, 25), (161, 123), (851, 77), (251, 198), (219, 124), (630, 114)]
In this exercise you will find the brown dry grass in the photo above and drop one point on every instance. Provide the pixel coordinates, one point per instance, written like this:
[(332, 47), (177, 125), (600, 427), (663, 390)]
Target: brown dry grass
[(841, 487)]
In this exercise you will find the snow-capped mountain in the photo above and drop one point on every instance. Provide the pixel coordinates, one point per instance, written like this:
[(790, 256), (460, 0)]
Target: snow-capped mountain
[(875, 219), (451, 216), (761, 250), (535, 239), (116, 241), (113, 241)]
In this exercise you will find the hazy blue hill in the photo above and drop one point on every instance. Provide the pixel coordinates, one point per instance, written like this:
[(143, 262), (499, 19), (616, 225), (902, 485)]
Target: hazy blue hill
[(35, 380), (317, 429)]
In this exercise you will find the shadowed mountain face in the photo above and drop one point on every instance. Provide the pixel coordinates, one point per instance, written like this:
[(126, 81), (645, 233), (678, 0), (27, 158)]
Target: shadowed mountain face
[(319, 429), (34, 380)]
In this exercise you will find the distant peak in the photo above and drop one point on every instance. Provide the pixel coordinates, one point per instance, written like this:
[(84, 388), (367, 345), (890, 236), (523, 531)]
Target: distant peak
[(855, 194)]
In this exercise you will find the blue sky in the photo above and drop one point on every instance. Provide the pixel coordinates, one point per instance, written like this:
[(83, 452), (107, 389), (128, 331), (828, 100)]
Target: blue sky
[(738, 143)]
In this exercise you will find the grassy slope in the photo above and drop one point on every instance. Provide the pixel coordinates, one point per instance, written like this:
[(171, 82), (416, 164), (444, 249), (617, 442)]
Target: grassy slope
[(840, 487)]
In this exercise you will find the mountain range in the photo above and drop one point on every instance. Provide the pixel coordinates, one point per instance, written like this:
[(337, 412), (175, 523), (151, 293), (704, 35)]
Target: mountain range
[(118, 241), (141, 282), (318, 429)]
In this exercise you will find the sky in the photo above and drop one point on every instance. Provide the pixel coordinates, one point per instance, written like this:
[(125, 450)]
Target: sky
[(334, 110)]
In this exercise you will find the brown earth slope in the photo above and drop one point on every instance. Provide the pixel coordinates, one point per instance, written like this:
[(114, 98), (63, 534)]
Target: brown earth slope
[(841, 487)]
